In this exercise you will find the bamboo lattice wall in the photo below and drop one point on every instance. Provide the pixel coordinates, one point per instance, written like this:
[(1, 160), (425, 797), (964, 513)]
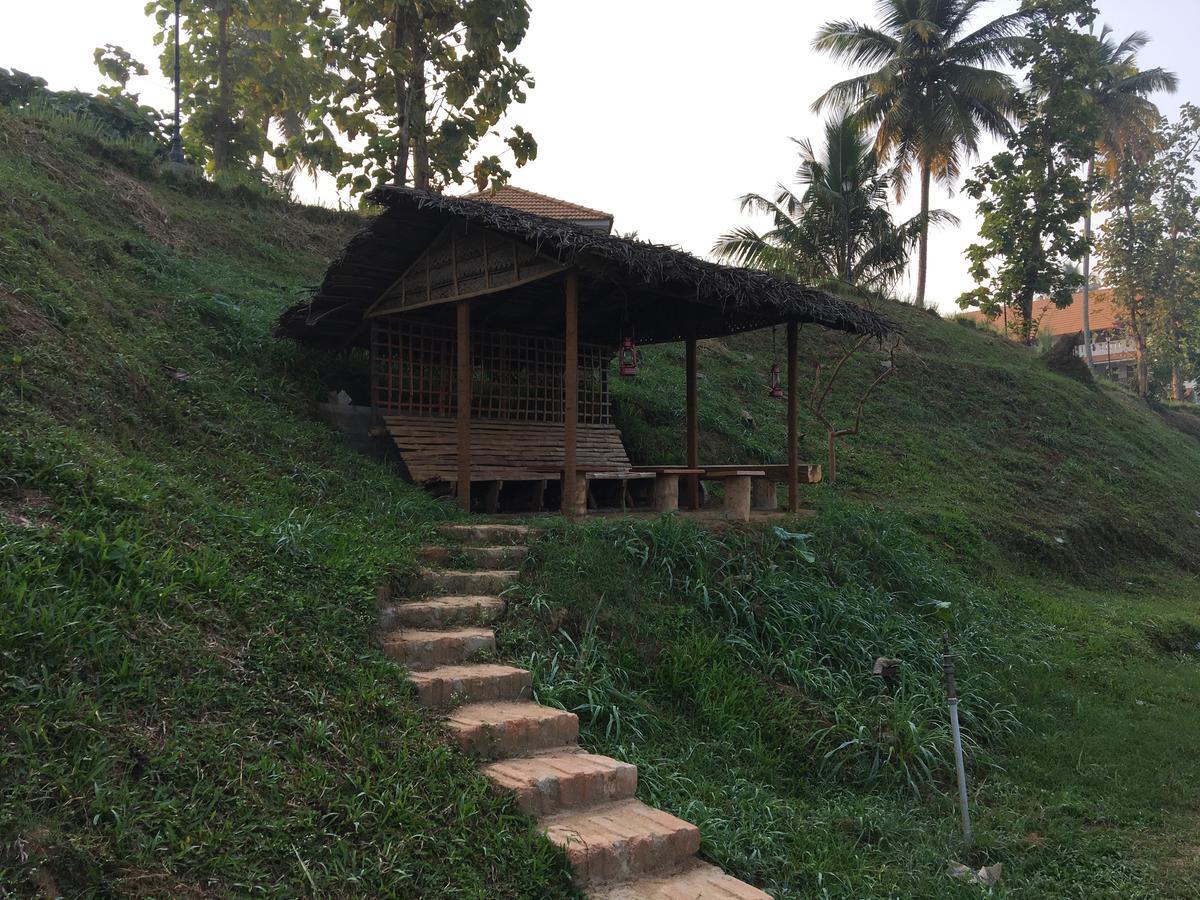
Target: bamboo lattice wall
[(513, 377)]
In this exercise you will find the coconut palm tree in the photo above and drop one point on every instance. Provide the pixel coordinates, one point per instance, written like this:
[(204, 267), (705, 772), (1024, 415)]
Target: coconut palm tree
[(837, 233), (1127, 121), (931, 92)]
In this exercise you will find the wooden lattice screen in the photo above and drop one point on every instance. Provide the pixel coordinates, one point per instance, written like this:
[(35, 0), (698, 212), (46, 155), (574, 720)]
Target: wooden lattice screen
[(513, 376)]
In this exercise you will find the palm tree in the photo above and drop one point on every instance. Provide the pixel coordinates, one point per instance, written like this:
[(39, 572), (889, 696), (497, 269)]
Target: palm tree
[(1127, 123), (838, 233), (930, 90)]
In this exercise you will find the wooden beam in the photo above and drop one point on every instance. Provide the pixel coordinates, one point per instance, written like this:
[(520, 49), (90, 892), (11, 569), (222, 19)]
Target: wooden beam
[(793, 408), (693, 422), (464, 404), (570, 390)]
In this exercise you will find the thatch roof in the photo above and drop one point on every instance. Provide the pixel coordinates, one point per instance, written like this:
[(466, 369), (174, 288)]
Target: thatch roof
[(656, 289)]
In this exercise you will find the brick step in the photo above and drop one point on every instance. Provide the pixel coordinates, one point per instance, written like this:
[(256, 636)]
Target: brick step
[(551, 782), (511, 728), (698, 881), (421, 649), (621, 841), (508, 557), (476, 683), (442, 612), (486, 535), (453, 581)]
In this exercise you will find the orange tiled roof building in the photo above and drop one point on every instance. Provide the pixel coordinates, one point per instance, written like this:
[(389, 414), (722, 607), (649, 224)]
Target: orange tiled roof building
[(1112, 350), (549, 207)]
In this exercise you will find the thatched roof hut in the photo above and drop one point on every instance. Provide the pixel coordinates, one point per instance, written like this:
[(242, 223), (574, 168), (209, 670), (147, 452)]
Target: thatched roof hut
[(492, 330), (658, 289)]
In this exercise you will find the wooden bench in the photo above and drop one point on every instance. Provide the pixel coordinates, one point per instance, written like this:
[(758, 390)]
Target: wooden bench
[(737, 479), (763, 487), (510, 451)]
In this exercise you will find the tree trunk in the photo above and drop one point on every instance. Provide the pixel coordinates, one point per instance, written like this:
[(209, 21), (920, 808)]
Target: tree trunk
[(400, 96), (418, 127), (1087, 270), (832, 466), (923, 247), (223, 127), (1176, 383), (1143, 368), (1026, 310)]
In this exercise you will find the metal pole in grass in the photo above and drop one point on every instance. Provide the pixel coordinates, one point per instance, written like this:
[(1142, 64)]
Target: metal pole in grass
[(176, 152), (952, 697)]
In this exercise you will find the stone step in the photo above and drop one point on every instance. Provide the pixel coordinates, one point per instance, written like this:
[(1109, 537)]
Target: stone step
[(476, 683), (505, 728), (698, 881), (453, 581), (485, 535), (621, 841), (421, 649), (442, 612), (509, 557), (551, 782)]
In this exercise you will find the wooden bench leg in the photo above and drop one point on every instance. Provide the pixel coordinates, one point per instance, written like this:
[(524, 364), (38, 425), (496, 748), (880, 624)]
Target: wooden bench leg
[(762, 494), (737, 498), (581, 494), (666, 493)]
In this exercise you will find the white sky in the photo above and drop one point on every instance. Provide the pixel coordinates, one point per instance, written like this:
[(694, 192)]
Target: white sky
[(662, 112)]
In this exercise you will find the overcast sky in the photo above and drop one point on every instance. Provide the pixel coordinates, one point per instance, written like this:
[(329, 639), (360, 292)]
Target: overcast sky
[(662, 112)]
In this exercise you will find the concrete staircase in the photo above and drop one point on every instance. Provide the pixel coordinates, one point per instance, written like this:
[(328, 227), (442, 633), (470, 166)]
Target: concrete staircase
[(619, 848)]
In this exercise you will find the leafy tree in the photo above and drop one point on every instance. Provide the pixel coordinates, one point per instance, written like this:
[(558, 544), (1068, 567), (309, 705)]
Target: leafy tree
[(838, 233), (931, 92), (1178, 281), (422, 83), (1032, 195), (1150, 248), (118, 65), (1127, 119), (1129, 241), (245, 66)]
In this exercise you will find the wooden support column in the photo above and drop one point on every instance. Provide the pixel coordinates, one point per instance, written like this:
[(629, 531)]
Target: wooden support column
[(464, 404), (570, 392), (693, 422), (793, 409)]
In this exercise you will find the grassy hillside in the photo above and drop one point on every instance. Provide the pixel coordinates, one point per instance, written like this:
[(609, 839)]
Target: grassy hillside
[(975, 439), (189, 566)]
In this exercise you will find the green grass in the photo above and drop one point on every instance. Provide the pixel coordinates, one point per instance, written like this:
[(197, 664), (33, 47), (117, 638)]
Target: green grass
[(975, 439), (737, 675), (189, 566)]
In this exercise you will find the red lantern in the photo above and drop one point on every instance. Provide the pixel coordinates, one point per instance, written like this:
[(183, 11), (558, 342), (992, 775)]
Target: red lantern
[(776, 392), (628, 356)]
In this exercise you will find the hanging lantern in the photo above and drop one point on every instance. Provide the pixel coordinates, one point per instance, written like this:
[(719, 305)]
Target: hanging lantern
[(628, 355), (776, 392)]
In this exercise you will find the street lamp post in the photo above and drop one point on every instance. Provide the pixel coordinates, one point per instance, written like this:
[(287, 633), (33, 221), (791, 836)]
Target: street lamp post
[(176, 154)]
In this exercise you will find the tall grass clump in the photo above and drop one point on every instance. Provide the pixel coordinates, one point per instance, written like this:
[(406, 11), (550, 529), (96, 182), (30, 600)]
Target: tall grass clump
[(798, 617)]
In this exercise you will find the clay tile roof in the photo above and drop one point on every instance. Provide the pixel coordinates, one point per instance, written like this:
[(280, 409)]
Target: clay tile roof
[(539, 204), (1102, 314)]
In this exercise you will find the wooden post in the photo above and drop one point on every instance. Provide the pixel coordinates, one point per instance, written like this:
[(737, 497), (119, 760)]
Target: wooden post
[(464, 404), (793, 402), (693, 424), (570, 392)]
